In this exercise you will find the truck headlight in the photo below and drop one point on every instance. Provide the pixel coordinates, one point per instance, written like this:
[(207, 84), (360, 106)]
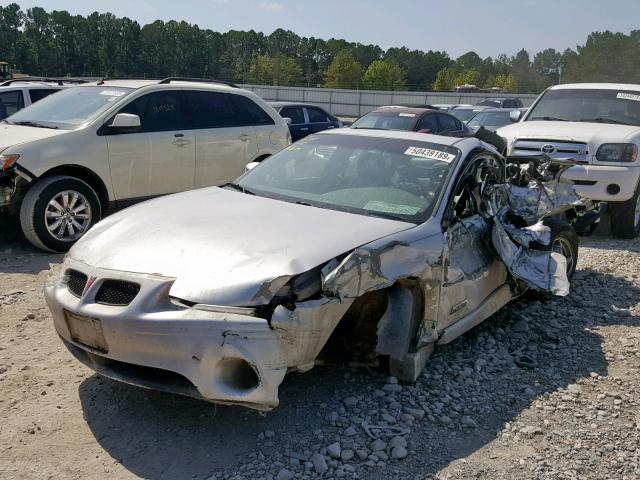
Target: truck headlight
[(7, 161), (617, 152)]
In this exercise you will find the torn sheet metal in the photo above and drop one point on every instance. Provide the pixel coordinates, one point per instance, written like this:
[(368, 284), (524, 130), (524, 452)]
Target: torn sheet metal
[(534, 191)]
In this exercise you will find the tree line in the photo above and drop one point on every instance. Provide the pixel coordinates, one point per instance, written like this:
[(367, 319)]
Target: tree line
[(57, 43)]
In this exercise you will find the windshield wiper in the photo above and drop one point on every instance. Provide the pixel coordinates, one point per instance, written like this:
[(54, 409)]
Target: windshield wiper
[(549, 119), (28, 123), (603, 120), (389, 216), (238, 187)]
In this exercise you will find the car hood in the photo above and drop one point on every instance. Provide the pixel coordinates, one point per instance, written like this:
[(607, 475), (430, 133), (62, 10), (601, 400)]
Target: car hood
[(224, 247), (593, 133), (15, 134)]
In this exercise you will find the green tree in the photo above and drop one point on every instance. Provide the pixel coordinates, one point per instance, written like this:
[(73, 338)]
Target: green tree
[(278, 70), (468, 77), (445, 80), (344, 71), (383, 75)]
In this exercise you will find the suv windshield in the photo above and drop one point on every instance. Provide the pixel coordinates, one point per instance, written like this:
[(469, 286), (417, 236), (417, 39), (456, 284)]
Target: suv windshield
[(388, 120), (389, 178), (494, 119), (69, 108), (588, 105)]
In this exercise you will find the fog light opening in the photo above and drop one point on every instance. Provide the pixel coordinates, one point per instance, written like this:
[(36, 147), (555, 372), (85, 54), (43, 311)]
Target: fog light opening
[(236, 376), (613, 189)]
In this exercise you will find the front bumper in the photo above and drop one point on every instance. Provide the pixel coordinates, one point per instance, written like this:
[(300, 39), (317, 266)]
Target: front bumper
[(220, 357), (591, 181)]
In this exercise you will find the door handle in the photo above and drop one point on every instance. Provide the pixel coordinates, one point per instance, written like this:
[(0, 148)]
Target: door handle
[(304, 129), (244, 137), (180, 142)]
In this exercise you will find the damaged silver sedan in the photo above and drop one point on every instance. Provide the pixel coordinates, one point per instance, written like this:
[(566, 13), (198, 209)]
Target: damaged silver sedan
[(353, 245)]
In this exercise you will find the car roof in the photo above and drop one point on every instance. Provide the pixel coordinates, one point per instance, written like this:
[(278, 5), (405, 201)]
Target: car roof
[(500, 110), (393, 134), (39, 85), (597, 86), (401, 109), (292, 104), (140, 83), (475, 107)]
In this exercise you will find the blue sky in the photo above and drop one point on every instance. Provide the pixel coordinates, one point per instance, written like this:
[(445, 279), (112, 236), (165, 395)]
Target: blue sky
[(489, 27)]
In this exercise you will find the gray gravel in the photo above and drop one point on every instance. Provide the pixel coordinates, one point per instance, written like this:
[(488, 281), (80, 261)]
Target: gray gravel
[(544, 389)]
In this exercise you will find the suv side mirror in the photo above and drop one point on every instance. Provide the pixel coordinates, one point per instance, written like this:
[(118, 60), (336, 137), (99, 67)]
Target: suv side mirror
[(288, 121), (515, 115), (125, 120)]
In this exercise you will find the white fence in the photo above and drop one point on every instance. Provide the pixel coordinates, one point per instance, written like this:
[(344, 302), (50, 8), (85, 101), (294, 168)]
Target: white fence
[(353, 103)]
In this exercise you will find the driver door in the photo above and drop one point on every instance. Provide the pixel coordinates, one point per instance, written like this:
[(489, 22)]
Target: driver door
[(471, 270)]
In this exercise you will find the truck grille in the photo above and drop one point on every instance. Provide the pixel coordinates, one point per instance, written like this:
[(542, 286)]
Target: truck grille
[(76, 281), (117, 292), (575, 150)]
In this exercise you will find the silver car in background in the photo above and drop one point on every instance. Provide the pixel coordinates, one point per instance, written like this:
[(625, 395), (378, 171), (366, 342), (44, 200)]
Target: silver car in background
[(372, 244)]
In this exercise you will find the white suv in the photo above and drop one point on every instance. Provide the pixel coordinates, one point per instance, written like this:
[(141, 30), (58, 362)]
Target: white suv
[(18, 94), (67, 159), (597, 124)]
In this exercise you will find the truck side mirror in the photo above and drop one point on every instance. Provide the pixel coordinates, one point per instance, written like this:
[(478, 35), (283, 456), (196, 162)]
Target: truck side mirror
[(515, 115)]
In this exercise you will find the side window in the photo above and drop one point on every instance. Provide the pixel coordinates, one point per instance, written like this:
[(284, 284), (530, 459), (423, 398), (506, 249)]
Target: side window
[(208, 110), (39, 93), (448, 123), (316, 115), (294, 113), (248, 112), (428, 123), (10, 103), (158, 111)]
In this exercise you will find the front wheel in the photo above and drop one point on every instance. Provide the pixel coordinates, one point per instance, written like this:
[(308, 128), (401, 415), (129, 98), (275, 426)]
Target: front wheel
[(625, 217), (564, 240), (57, 211)]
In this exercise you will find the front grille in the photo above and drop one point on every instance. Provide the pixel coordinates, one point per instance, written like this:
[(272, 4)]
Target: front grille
[(117, 292), (575, 150), (76, 281)]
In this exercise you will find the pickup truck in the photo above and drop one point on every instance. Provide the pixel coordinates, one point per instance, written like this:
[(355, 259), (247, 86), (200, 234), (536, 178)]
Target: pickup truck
[(598, 125)]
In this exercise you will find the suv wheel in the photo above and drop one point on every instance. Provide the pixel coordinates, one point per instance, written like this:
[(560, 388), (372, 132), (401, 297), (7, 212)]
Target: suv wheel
[(57, 211), (625, 217)]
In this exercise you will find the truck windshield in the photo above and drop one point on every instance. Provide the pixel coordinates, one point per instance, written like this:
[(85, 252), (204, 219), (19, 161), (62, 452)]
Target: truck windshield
[(621, 107), (69, 108)]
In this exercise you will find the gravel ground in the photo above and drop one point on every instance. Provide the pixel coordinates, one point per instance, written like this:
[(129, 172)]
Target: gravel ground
[(543, 390)]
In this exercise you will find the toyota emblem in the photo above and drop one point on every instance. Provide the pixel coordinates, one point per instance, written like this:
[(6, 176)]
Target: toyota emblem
[(548, 149)]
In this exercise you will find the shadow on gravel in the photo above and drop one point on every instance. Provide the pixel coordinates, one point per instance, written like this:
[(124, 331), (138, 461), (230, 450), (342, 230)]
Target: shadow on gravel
[(17, 255), (157, 435)]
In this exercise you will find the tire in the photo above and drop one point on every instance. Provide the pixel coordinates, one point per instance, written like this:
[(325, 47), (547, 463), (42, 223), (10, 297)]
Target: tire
[(625, 216), (564, 240), (51, 225)]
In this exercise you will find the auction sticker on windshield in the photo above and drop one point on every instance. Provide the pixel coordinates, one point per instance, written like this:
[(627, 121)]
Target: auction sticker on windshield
[(628, 96), (430, 153), (112, 93)]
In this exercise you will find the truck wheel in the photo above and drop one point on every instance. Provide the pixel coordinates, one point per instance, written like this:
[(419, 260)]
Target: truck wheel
[(625, 217), (57, 211)]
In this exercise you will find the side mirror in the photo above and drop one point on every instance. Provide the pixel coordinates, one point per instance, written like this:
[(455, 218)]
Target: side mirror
[(251, 166), (515, 115), (125, 120), (288, 121), (424, 130)]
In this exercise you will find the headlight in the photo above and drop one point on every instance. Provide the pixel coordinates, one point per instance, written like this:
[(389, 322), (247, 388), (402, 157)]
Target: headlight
[(617, 152), (7, 161)]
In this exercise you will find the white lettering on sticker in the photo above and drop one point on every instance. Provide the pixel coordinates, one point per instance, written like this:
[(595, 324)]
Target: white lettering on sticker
[(430, 153), (112, 93), (629, 96)]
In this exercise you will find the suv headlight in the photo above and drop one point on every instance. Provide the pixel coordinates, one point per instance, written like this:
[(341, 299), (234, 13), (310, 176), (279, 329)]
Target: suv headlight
[(617, 152), (7, 161)]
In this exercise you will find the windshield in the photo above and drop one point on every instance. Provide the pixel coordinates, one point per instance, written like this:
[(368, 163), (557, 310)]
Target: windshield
[(69, 108), (389, 178), (494, 119), (389, 120), (490, 103), (588, 105), (463, 114)]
